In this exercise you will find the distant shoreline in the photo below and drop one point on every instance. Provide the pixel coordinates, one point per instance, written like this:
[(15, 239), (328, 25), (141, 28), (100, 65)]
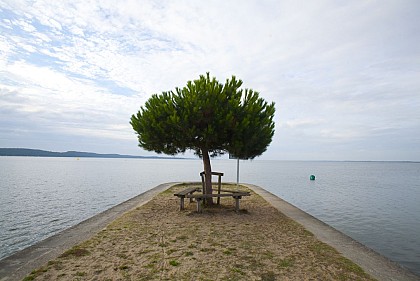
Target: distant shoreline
[(78, 154), (28, 152)]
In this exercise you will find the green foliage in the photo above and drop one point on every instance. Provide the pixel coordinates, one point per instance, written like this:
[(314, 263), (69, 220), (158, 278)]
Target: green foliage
[(207, 117), (174, 263), (286, 263), (254, 128)]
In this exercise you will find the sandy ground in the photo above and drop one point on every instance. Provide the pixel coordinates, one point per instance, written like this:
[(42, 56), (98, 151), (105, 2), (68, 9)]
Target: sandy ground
[(158, 242)]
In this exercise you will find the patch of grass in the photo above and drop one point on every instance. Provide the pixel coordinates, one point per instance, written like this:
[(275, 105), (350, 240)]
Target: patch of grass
[(227, 252), (122, 255), (268, 276), (238, 270), (331, 255), (320, 248), (123, 267), (75, 252), (126, 275), (40, 270), (145, 251), (206, 250), (80, 273), (252, 263), (171, 251), (151, 264), (171, 190), (308, 233), (284, 263), (57, 265), (350, 266), (182, 237), (174, 263), (246, 244), (268, 254), (35, 273), (189, 254)]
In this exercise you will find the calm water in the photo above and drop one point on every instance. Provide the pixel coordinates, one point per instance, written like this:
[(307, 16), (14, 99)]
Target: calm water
[(376, 203)]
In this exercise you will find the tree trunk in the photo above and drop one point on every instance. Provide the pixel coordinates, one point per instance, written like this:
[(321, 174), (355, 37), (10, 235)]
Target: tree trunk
[(208, 189)]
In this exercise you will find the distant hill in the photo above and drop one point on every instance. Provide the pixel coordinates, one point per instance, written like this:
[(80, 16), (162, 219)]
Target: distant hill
[(44, 153)]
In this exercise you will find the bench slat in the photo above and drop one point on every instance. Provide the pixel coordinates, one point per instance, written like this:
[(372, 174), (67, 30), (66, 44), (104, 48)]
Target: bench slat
[(217, 195), (234, 191), (187, 191)]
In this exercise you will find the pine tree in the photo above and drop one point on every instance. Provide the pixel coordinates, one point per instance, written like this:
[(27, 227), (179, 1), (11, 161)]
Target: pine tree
[(209, 118)]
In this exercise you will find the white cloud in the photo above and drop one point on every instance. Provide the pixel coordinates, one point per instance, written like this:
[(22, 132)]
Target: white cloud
[(68, 105), (338, 72), (24, 25), (292, 124)]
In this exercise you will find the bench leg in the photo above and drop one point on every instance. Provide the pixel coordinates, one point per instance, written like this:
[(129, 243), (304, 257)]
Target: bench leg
[(181, 206), (219, 186), (237, 203), (198, 205)]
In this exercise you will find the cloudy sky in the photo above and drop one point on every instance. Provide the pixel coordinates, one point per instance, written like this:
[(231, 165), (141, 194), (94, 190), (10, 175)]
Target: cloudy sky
[(345, 75)]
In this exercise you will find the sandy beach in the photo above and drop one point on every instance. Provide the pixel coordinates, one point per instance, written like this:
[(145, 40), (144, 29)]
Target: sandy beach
[(156, 241)]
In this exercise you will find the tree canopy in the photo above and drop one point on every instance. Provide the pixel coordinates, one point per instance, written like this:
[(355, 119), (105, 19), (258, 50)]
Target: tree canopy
[(207, 117)]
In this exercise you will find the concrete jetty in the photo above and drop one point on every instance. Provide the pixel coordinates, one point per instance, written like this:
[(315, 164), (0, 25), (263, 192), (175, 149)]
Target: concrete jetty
[(20, 264)]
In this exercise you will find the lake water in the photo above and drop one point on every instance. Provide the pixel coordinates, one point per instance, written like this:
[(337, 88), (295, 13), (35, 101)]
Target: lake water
[(376, 203)]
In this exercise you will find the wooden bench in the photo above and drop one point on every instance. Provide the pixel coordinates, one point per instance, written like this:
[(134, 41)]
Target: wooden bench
[(236, 195), (184, 193)]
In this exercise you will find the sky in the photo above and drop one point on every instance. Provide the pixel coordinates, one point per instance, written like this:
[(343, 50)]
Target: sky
[(344, 75)]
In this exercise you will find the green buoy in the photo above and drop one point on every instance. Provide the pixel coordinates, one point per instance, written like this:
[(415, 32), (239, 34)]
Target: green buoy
[(312, 177)]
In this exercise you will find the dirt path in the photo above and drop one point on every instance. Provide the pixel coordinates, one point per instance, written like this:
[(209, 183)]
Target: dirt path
[(158, 242)]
